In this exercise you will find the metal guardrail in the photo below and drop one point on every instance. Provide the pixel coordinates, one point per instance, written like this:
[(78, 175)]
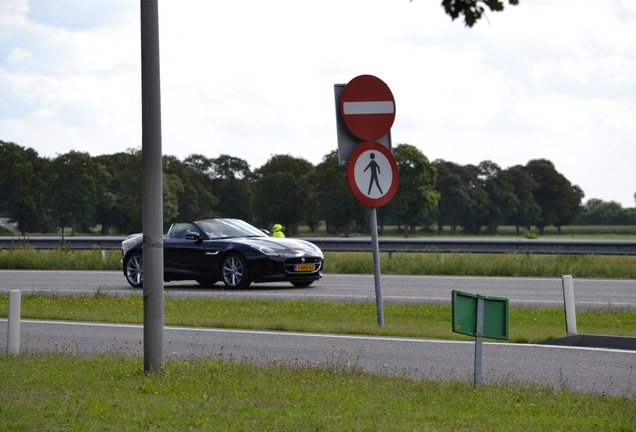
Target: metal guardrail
[(338, 244)]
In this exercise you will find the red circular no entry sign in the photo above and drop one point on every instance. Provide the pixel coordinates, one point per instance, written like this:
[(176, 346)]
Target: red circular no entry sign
[(367, 107)]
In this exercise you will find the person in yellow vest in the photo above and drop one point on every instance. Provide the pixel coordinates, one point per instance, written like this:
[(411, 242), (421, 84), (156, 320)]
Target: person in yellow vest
[(277, 231)]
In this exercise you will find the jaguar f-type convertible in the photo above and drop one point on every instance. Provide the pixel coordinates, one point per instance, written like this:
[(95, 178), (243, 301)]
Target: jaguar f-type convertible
[(228, 250)]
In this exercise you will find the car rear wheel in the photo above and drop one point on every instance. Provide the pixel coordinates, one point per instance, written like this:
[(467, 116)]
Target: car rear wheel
[(234, 272), (133, 267)]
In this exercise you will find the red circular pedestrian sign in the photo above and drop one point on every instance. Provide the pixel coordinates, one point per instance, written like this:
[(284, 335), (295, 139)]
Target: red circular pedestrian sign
[(372, 174), (367, 107)]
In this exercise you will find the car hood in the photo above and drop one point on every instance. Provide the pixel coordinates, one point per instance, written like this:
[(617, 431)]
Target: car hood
[(281, 246)]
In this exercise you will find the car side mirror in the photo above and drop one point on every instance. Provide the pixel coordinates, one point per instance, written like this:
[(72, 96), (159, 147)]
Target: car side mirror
[(194, 236)]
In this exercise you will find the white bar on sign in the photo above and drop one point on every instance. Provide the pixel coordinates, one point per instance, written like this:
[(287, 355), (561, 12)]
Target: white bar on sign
[(370, 107)]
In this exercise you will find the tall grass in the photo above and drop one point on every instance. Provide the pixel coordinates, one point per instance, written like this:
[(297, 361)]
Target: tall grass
[(23, 258), (464, 264)]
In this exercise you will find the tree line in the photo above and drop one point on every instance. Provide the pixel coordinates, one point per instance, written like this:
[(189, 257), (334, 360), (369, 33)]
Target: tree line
[(78, 191)]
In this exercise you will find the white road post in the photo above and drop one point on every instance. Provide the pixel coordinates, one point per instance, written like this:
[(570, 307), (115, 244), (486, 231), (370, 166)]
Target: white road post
[(570, 309), (13, 337)]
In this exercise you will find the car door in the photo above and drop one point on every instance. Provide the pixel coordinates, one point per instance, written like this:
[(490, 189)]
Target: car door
[(184, 252)]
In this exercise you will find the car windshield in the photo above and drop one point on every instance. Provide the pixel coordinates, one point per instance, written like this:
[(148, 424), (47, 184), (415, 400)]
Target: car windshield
[(224, 228)]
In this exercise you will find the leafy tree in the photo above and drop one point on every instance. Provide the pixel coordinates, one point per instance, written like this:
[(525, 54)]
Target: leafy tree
[(173, 188), (502, 200), (75, 184), (281, 191), (416, 197), (104, 206), (124, 214), (473, 10), (231, 181), (313, 213), (22, 187), (449, 184), (476, 205), (571, 206), (187, 192), (558, 199), (331, 193), (463, 200), (198, 162), (599, 212), (527, 210)]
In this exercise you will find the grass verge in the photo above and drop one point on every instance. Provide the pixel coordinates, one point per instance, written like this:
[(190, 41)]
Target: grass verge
[(65, 392), (526, 325), (466, 264)]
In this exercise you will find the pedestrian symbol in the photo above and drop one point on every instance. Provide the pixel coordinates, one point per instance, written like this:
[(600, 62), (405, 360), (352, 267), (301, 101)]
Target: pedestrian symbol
[(375, 170), (372, 174)]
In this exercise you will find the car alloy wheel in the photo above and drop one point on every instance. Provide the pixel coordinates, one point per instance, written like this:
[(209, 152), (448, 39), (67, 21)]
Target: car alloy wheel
[(234, 272), (134, 270)]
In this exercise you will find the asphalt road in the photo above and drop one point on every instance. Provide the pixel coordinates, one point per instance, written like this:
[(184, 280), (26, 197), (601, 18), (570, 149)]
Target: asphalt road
[(540, 292), (604, 371)]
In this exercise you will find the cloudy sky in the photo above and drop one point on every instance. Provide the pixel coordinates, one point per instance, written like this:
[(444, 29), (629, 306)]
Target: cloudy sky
[(548, 79)]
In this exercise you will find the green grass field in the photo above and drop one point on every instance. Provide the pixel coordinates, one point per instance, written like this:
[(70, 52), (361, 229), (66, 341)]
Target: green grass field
[(63, 392)]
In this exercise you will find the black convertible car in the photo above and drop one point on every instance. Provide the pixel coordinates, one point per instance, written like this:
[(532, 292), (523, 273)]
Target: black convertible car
[(230, 250)]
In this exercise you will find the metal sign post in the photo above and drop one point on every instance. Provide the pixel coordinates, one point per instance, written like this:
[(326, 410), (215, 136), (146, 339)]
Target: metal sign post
[(373, 217), (480, 316), (479, 341)]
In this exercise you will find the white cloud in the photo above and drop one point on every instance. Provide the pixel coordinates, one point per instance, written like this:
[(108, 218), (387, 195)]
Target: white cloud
[(553, 79), (18, 56)]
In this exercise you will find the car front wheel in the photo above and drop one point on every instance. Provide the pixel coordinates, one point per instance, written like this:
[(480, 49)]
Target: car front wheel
[(234, 272), (134, 270)]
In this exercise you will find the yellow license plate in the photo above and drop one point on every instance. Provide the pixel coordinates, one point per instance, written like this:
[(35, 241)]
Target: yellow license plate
[(305, 267)]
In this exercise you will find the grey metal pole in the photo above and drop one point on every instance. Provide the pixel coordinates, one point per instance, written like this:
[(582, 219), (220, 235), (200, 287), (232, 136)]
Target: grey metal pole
[(373, 217), (479, 330), (152, 188)]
